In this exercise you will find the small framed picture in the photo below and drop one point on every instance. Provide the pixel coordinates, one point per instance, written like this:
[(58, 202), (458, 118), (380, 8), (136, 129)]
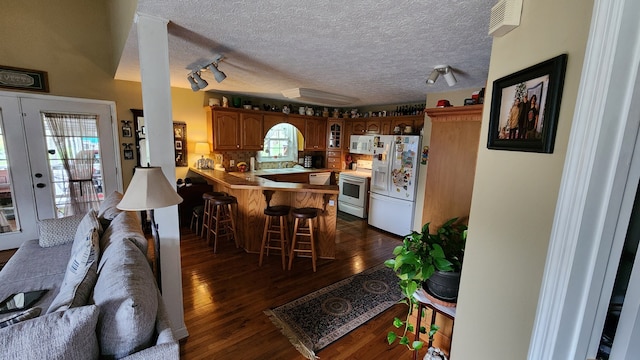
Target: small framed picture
[(525, 107), (128, 154), (126, 131), (178, 144)]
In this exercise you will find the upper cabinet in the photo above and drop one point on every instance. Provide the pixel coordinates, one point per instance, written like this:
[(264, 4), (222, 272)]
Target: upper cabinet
[(385, 125), (314, 133), (335, 134), (226, 130), (251, 137)]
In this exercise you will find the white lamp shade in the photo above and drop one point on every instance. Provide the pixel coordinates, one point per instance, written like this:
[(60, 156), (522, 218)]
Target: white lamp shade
[(149, 189), (202, 148)]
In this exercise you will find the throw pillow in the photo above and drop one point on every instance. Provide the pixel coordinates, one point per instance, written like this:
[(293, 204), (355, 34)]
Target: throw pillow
[(80, 276), (89, 221), (127, 296), (22, 316), (108, 209), (60, 231), (68, 335)]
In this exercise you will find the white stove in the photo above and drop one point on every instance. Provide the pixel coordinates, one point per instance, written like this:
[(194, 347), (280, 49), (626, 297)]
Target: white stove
[(354, 189)]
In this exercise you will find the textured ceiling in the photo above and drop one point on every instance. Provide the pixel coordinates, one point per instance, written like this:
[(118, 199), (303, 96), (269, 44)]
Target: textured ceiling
[(380, 52)]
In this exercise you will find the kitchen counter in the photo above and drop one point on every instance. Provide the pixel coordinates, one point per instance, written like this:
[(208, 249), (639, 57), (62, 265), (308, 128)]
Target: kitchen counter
[(254, 192)]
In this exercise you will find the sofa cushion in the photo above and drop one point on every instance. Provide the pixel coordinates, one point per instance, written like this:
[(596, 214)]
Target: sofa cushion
[(125, 225), (60, 231), (126, 293), (80, 276), (21, 316), (65, 335), (108, 209)]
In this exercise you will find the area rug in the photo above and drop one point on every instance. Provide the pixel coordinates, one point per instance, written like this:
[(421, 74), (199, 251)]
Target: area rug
[(316, 320)]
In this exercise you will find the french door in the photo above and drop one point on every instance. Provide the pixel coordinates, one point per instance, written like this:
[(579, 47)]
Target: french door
[(59, 159)]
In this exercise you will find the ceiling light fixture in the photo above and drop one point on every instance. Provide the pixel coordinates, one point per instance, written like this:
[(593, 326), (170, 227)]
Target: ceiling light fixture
[(195, 77), (317, 97), (445, 71), (217, 74)]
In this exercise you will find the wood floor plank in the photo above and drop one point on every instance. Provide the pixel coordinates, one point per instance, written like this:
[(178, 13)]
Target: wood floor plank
[(226, 293)]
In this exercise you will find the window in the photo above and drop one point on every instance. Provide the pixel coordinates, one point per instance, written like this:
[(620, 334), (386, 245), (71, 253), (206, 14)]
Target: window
[(280, 144)]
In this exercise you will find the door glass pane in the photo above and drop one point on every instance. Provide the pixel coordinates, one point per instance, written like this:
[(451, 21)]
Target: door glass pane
[(73, 149), (8, 221)]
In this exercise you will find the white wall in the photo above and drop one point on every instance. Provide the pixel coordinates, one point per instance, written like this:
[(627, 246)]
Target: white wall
[(515, 194)]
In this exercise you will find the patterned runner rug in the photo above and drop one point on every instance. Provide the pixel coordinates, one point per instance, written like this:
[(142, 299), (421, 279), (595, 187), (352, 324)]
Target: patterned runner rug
[(316, 320)]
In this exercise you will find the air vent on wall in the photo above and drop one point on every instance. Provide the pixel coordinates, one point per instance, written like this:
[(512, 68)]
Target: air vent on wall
[(505, 16)]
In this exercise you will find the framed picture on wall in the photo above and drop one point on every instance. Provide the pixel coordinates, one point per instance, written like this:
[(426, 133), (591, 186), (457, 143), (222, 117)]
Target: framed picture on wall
[(525, 107), (128, 154), (180, 143)]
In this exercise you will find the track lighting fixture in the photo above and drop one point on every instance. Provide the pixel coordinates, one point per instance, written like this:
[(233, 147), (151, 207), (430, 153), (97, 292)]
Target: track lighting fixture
[(445, 71), (196, 80)]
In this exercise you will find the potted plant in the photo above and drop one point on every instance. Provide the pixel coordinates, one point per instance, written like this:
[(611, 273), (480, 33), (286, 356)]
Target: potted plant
[(419, 257), (445, 281)]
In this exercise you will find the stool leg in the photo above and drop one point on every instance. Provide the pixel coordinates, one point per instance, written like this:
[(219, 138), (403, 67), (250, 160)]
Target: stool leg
[(217, 232), (293, 242), (282, 243), (264, 238), (313, 245)]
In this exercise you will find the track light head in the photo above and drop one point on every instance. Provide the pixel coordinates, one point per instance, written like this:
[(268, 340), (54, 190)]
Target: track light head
[(217, 74), (200, 81), (433, 77), (192, 81), (445, 71)]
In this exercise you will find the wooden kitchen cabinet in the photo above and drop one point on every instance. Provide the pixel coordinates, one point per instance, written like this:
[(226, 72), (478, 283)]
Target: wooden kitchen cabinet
[(358, 127), (451, 167), (251, 137), (334, 159), (236, 130), (335, 134), (226, 130), (373, 126), (314, 133)]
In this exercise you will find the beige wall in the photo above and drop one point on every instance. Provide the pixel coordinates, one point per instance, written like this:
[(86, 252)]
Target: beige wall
[(515, 194), (72, 41)]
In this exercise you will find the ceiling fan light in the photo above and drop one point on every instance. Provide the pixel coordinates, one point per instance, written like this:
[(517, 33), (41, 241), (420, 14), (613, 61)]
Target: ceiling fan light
[(449, 77)]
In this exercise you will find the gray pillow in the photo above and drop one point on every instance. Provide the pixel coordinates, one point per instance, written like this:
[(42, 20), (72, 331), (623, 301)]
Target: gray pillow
[(68, 335), (80, 276), (21, 316), (108, 209), (125, 225), (89, 221), (126, 293), (60, 231)]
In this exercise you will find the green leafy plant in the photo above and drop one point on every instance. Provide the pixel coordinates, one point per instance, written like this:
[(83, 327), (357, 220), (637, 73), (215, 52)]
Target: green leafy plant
[(419, 256)]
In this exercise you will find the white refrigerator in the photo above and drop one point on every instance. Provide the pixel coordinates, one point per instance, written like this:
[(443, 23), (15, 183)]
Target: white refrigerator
[(394, 180)]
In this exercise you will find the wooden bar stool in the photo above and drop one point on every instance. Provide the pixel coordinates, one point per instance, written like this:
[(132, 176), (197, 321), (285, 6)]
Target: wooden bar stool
[(303, 230), (280, 227), (224, 218), (207, 211)]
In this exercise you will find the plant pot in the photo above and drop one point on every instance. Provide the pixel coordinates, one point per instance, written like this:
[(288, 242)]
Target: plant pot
[(443, 285)]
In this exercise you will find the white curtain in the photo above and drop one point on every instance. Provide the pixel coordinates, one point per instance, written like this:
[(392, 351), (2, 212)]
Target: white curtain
[(76, 141)]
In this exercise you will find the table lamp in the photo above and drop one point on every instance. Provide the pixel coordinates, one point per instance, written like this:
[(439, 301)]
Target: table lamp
[(202, 148), (149, 189)]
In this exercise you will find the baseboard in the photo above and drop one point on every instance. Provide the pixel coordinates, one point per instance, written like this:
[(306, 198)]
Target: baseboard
[(181, 333)]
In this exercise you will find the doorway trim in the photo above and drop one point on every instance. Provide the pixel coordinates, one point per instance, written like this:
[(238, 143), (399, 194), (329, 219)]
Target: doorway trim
[(590, 211)]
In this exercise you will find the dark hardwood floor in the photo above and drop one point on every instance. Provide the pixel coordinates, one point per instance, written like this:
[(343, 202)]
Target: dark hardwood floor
[(226, 293)]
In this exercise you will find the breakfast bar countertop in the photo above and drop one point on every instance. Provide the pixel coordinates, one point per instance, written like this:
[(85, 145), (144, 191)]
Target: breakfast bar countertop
[(253, 180)]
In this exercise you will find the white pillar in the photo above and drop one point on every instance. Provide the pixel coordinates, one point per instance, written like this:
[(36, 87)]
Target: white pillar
[(156, 99)]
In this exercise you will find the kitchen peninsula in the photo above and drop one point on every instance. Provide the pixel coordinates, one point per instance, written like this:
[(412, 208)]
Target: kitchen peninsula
[(254, 189)]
